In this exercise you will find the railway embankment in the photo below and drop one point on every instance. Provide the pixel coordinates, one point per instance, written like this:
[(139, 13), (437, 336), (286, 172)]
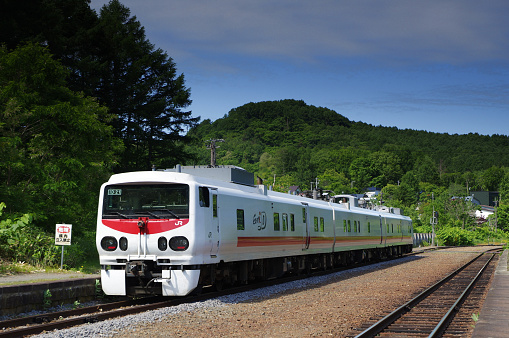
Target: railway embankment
[(28, 292)]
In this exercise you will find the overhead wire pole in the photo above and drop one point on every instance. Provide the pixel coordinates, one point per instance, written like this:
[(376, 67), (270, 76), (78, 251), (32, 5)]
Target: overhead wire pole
[(433, 220), (212, 146), (496, 220)]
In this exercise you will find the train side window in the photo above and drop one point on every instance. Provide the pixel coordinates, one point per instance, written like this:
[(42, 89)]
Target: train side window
[(240, 219), (322, 224), (349, 226), (292, 222), (392, 228), (387, 227), (369, 227), (303, 215), (214, 205), (359, 224), (354, 226), (344, 225), (316, 224), (204, 197), (285, 222), (276, 222)]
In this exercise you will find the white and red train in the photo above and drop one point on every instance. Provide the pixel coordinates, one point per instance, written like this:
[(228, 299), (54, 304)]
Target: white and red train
[(171, 232)]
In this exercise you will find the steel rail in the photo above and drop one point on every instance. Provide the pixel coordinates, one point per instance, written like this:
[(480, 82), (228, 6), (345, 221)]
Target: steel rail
[(448, 317), (382, 324), (50, 316)]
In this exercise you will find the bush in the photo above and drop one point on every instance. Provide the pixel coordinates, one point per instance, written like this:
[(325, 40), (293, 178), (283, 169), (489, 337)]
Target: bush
[(423, 229), (454, 236), (21, 241)]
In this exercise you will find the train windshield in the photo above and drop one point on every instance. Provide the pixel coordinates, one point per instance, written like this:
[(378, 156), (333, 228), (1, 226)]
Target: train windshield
[(167, 201)]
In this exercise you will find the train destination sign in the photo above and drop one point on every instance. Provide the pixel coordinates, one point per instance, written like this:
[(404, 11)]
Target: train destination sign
[(63, 234)]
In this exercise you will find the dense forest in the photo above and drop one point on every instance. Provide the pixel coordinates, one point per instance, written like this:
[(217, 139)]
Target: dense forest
[(84, 95), (290, 138)]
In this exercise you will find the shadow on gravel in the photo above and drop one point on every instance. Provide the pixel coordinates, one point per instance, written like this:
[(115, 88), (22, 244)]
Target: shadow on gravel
[(314, 282)]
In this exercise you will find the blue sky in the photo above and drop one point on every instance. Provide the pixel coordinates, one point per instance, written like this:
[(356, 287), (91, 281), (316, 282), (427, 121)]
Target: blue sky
[(435, 65)]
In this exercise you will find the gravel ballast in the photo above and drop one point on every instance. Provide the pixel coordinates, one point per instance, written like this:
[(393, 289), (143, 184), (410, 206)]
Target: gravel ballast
[(315, 307)]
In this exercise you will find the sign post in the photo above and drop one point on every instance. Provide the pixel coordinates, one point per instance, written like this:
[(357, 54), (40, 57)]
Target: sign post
[(62, 238)]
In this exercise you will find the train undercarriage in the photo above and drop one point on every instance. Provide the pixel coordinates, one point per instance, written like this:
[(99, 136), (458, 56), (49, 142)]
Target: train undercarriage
[(147, 277)]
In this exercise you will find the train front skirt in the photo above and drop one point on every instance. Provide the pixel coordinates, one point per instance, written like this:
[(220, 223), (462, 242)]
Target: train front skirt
[(173, 282)]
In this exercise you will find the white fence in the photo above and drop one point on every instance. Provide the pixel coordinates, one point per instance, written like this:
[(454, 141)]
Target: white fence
[(419, 238)]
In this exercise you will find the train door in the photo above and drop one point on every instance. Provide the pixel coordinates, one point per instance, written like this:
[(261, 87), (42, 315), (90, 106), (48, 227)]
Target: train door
[(305, 219), (333, 227), (215, 229)]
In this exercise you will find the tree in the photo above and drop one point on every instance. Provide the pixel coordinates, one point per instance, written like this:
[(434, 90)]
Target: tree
[(426, 170), (503, 217), (140, 85), (57, 147), (461, 210), (332, 180), (385, 168), (491, 178), (109, 57), (360, 172)]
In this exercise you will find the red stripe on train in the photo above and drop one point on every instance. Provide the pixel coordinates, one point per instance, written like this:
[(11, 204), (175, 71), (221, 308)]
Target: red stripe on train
[(154, 226), (271, 241)]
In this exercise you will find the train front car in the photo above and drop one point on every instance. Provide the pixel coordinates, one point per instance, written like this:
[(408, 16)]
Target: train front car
[(144, 234)]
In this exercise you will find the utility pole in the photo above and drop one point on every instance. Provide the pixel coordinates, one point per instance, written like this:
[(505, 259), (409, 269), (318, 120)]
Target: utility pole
[(212, 148), (433, 220), (496, 221)]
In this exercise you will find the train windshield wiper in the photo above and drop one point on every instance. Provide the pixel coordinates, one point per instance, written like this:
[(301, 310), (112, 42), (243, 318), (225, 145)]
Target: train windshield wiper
[(148, 213), (169, 212), (118, 213)]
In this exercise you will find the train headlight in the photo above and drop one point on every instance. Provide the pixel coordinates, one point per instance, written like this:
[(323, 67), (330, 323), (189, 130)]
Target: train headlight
[(123, 243), (109, 243), (162, 243), (179, 243)]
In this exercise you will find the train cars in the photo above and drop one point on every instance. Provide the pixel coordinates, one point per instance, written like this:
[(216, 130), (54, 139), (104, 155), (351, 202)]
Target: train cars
[(170, 232)]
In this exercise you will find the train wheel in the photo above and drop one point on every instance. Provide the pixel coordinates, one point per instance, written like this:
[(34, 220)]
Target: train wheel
[(218, 285)]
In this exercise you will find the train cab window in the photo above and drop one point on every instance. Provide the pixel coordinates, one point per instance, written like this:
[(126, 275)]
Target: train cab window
[(204, 197), (276, 222), (292, 222), (349, 226), (344, 225), (322, 224), (315, 223), (369, 227), (155, 201), (285, 222), (214, 205), (240, 219)]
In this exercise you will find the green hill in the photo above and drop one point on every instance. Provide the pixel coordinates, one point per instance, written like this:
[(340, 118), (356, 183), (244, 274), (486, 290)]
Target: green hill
[(289, 137)]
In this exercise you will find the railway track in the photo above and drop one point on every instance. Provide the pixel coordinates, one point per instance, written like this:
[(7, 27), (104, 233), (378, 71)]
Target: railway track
[(30, 325), (444, 309)]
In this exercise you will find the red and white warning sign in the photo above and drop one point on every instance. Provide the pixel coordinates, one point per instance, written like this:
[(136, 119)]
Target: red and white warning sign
[(63, 234)]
